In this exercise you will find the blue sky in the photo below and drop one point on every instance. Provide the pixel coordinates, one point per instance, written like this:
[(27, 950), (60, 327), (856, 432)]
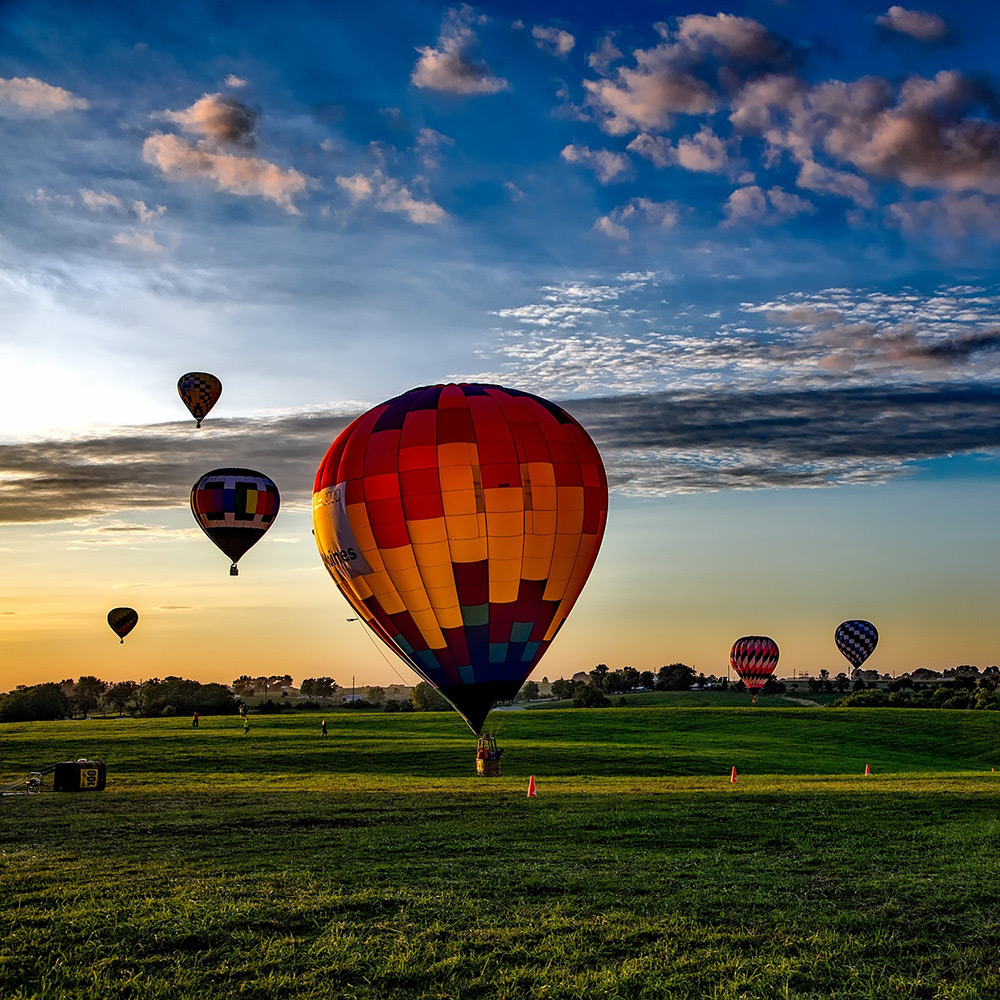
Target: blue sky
[(751, 248)]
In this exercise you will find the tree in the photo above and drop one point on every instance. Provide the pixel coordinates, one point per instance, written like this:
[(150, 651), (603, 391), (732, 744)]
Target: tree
[(589, 696), (675, 677), (376, 695), (39, 703), (563, 688), (842, 683), (598, 674), (647, 679), (121, 694), (266, 683), (319, 687), (615, 682), (529, 692), (178, 696), (426, 699), (243, 685), (87, 694)]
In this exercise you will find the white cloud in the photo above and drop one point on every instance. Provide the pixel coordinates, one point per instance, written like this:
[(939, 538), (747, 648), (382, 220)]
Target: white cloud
[(607, 225), (689, 73), (554, 40), (97, 201), (145, 214), (452, 67), (753, 204), (604, 55), (923, 26), (429, 145), (42, 197), (33, 97), (224, 120), (246, 176), (704, 153), (136, 239), (659, 214), (391, 195), (608, 166)]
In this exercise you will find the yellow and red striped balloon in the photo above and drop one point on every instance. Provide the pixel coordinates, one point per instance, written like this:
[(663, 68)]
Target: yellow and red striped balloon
[(461, 523)]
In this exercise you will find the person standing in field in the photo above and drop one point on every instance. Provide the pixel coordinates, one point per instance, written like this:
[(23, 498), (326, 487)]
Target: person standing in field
[(322, 728), (246, 725), (194, 721)]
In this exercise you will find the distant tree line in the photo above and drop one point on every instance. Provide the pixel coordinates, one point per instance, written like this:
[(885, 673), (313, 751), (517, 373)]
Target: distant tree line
[(958, 687), (592, 689), (71, 699)]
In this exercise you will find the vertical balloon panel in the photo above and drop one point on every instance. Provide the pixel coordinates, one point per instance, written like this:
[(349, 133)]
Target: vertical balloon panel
[(461, 522)]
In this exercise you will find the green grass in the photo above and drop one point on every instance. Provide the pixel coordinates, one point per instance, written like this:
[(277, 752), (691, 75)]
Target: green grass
[(374, 864), (705, 699)]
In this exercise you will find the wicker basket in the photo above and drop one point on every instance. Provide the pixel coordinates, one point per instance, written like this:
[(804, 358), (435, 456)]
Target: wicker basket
[(487, 768)]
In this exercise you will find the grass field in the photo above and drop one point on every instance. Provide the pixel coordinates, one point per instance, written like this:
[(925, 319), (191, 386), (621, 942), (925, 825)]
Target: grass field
[(374, 864)]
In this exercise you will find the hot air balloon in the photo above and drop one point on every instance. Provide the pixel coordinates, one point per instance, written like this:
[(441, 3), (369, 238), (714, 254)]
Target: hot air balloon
[(234, 507), (856, 639), (754, 658), (200, 392), (461, 523), (122, 621)]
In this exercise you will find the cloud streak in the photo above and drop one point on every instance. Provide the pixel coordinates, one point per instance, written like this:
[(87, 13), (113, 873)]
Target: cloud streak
[(652, 443), (239, 175), (919, 24), (36, 99)]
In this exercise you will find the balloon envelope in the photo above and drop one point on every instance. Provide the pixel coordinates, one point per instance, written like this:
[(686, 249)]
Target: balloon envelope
[(856, 639), (122, 621), (461, 523), (234, 507), (754, 658), (200, 392)]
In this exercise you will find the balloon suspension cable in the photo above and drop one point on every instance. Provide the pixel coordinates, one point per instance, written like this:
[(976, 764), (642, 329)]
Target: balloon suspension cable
[(381, 652), (459, 723)]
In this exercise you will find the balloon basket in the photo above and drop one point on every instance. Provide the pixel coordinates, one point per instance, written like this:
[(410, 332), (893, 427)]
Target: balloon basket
[(488, 757)]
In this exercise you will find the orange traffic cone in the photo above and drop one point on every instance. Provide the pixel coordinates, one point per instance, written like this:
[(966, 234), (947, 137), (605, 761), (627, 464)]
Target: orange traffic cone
[(733, 778), (532, 794), (868, 770)]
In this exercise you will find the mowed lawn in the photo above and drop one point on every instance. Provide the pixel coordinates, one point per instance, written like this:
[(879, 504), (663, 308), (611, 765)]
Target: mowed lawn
[(375, 864)]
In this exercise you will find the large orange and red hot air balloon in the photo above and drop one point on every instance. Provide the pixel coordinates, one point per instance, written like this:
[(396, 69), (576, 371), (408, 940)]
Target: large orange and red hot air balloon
[(754, 658), (461, 523)]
